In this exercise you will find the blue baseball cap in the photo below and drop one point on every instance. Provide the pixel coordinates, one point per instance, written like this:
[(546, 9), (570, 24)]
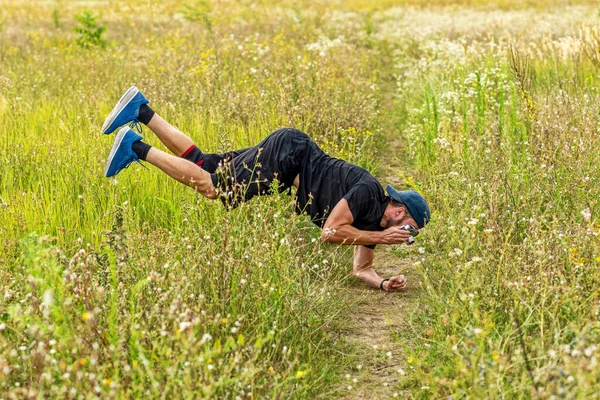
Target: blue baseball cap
[(414, 202)]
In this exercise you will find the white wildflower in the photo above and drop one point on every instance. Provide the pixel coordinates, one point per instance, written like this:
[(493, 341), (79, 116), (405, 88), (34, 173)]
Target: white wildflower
[(206, 338), (586, 214)]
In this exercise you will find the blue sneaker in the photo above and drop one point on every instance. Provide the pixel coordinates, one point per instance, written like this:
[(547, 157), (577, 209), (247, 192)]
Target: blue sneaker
[(126, 111), (121, 154)]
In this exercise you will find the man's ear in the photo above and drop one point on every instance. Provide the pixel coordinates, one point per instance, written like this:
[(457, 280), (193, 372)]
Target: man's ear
[(400, 212)]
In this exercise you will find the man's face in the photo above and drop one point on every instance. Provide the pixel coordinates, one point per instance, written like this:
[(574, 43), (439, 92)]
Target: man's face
[(401, 217)]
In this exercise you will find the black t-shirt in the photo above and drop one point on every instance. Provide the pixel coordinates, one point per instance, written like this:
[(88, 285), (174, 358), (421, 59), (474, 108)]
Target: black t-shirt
[(325, 180)]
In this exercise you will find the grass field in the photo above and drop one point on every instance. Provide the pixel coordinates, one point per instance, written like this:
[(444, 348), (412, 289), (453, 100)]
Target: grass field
[(136, 287)]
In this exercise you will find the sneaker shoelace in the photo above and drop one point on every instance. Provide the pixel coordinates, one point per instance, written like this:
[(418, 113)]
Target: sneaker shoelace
[(129, 162), (137, 125)]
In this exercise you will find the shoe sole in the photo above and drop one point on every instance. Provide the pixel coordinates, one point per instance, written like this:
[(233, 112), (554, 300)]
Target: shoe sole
[(121, 104), (115, 147)]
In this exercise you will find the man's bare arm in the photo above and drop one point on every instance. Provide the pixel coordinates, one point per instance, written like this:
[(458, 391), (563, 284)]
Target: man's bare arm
[(339, 229), (363, 270)]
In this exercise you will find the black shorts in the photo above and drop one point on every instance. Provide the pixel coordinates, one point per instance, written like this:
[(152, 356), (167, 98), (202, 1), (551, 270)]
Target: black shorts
[(242, 174)]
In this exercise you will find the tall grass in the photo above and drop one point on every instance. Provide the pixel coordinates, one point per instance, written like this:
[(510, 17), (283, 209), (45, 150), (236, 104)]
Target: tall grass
[(506, 146), (138, 287)]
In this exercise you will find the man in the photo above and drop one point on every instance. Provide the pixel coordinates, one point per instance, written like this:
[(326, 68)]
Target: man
[(344, 199)]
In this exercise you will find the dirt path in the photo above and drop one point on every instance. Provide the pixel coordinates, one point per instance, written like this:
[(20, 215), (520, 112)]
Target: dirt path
[(377, 322), (378, 328)]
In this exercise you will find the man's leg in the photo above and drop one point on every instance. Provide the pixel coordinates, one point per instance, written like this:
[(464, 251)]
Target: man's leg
[(242, 179), (128, 147), (133, 108), (175, 140), (180, 144)]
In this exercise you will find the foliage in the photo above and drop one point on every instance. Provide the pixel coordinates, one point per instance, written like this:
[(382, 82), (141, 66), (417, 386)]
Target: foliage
[(56, 19), (502, 142), (90, 33), (198, 12), (136, 286)]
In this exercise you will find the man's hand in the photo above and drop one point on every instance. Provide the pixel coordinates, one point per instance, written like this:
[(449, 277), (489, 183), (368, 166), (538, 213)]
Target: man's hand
[(363, 269), (338, 229), (395, 235), (395, 284)]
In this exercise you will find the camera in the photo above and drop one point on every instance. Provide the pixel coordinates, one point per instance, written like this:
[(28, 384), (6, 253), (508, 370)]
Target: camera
[(413, 232)]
